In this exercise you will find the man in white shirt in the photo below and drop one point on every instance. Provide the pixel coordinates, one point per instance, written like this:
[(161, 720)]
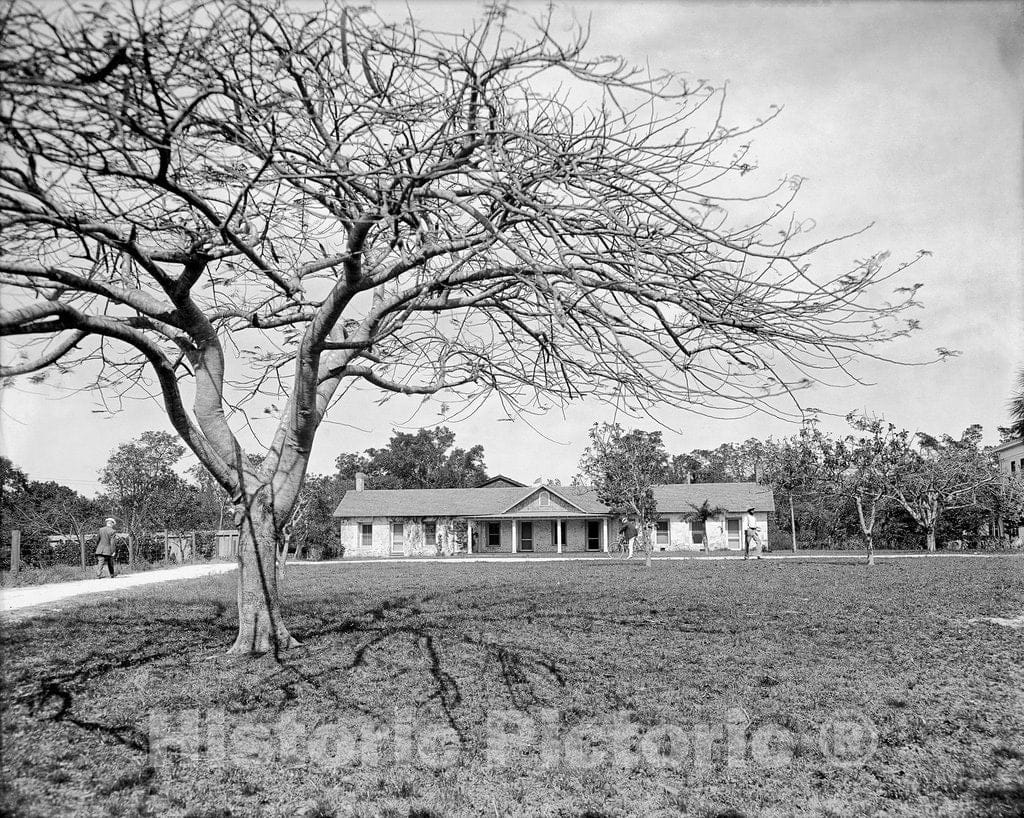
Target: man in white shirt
[(750, 533)]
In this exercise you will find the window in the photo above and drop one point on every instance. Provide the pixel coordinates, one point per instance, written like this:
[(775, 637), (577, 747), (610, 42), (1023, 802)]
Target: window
[(526, 536), (1013, 467), (366, 535), (398, 538), (661, 534), (697, 531), (555, 533), (494, 535), (430, 534), (593, 535), (545, 498)]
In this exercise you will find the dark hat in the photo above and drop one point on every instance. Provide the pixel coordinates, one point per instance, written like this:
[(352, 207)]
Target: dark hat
[(750, 509)]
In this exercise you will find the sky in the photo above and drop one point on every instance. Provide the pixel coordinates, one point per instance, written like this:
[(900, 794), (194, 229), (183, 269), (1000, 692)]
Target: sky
[(905, 116)]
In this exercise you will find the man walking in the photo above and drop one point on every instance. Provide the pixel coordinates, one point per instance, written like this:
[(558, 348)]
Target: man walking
[(105, 547), (750, 534)]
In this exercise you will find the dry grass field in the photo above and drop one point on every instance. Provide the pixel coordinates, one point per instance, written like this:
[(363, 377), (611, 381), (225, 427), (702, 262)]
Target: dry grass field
[(591, 688)]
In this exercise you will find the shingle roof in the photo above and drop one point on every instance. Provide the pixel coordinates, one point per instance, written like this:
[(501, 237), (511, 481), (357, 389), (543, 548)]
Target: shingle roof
[(493, 502)]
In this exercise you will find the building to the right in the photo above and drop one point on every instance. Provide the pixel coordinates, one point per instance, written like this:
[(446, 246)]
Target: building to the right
[(1010, 456)]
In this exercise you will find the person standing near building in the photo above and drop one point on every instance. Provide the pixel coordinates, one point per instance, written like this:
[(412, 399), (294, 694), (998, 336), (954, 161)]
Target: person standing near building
[(627, 537), (750, 534), (105, 547)]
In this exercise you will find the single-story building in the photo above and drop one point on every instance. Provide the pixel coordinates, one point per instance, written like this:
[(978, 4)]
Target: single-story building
[(505, 516)]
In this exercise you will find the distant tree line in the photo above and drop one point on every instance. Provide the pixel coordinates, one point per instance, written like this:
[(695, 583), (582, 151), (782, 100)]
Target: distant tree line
[(876, 486)]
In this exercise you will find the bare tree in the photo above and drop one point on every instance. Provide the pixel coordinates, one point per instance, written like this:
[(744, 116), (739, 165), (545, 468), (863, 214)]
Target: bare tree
[(229, 204), (941, 474), (863, 468)]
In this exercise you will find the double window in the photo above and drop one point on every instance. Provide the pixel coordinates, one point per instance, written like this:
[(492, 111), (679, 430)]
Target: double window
[(494, 535)]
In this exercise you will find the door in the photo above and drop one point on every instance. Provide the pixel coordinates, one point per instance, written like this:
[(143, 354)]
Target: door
[(593, 535), (526, 535), (733, 533), (398, 538)]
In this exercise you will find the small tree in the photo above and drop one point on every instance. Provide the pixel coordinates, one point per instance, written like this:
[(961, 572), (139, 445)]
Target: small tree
[(861, 467), (702, 514), (137, 475), (793, 466), (623, 467), (940, 474)]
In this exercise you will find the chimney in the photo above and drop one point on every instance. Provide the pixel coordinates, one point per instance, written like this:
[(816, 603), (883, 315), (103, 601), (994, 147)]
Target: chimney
[(360, 481)]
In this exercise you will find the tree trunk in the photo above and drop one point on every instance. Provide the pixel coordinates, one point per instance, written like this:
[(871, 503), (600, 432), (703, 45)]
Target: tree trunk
[(931, 539), (260, 626), (792, 521)]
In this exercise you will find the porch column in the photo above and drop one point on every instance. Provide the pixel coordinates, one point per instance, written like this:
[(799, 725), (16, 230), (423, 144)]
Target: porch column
[(514, 527), (558, 536), (470, 528), (607, 534)]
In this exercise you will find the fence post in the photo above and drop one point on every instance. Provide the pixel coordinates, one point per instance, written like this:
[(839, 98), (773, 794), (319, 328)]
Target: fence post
[(15, 551)]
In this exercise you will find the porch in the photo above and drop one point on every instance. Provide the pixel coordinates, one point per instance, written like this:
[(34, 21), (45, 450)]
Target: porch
[(540, 534)]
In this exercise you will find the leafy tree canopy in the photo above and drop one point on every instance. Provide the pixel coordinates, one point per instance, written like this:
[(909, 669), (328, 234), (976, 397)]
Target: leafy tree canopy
[(427, 458)]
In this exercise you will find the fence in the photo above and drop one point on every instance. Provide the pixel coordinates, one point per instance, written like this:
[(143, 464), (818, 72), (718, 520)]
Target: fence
[(32, 550)]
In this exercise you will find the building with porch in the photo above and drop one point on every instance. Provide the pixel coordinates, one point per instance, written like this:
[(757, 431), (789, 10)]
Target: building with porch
[(503, 516)]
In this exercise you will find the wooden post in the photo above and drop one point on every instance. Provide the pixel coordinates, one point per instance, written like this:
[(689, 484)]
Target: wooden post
[(81, 548), (167, 547), (15, 551), (558, 536)]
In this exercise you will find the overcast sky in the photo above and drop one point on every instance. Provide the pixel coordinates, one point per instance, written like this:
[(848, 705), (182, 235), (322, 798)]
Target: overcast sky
[(907, 115)]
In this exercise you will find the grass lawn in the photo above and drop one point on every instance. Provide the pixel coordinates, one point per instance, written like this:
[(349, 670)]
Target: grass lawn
[(567, 689)]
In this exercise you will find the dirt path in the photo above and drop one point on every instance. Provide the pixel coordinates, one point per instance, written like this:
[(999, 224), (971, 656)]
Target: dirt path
[(32, 596)]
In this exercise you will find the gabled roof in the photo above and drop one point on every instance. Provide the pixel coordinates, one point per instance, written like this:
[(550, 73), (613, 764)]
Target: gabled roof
[(557, 491), (495, 502), (500, 480)]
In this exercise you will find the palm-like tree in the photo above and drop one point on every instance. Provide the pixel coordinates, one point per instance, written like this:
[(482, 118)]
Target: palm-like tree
[(701, 514), (1017, 408)]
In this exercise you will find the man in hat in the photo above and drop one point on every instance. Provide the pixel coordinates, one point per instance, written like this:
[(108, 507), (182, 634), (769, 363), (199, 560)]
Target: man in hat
[(105, 547), (627, 537), (750, 533)]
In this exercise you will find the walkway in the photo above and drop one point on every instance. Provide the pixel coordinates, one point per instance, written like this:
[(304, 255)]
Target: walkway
[(30, 596)]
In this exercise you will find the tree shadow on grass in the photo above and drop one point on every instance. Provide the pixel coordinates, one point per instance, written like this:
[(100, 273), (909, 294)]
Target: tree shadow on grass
[(1000, 800), (437, 636)]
